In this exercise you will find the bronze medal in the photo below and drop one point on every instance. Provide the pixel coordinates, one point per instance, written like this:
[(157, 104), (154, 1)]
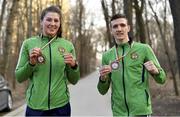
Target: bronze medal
[(115, 65), (41, 59)]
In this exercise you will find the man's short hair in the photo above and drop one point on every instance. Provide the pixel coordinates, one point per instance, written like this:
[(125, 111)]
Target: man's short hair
[(116, 16)]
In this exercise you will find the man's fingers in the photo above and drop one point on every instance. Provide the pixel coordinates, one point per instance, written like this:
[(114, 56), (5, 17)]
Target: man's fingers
[(68, 57), (68, 61), (151, 67), (105, 70), (148, 63)]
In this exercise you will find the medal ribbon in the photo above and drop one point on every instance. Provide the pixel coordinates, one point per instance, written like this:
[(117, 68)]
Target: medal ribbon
[(48, 42), (118, 58), (40, 57)]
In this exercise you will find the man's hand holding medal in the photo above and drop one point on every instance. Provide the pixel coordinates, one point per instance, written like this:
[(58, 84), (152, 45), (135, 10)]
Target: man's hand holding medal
[(104, 71)]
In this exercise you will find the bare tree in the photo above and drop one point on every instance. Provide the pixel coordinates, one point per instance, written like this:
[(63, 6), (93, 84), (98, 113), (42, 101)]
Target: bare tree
[(2, 15), (128, 11), (163, 38), (9, 56), (81, 33), (29, 17), (141, 32), (175, 8), (106, 17), (147, 27), (6, 16)]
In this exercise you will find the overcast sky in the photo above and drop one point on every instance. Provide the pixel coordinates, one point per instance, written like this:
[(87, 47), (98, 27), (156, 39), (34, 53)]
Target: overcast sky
[(93, 8)]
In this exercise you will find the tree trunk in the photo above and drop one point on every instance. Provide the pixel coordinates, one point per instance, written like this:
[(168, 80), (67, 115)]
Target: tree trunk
[(2, 13), (175, 8), (1, 38), (9, 64), (147, 26), (128, 13), (163, 37), (29, 17), (80, 8), (4, 33), (106, 17), (113, 7), (140, 21)]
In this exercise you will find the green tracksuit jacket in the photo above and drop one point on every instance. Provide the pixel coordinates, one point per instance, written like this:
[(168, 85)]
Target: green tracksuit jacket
[(48, 81), (130, 89)]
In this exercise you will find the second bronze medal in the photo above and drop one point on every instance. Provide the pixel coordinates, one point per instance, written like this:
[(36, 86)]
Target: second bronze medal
[(114, 65)]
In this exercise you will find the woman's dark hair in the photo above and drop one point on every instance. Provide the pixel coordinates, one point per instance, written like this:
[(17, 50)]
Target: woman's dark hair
[(55, 9)]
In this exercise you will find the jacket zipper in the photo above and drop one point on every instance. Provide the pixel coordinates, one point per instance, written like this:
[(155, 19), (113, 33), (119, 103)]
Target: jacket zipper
[(146, 93), (147, 97), (31, 92), (124, 82), (143, 73), (49, 95)]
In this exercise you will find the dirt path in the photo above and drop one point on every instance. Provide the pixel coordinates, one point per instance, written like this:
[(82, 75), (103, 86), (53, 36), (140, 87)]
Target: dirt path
[(164, 101), (169, 106)]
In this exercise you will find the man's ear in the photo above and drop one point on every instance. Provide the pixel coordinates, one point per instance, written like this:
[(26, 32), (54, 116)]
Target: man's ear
[(110, 28), (129, 28)]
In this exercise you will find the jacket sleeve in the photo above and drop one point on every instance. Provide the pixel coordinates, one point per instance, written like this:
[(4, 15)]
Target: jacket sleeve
[(103, 86), (161, 77), (23, 69), (73, 74)]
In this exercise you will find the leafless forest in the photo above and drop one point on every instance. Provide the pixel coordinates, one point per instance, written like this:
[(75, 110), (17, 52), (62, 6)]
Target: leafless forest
[(156, 22)]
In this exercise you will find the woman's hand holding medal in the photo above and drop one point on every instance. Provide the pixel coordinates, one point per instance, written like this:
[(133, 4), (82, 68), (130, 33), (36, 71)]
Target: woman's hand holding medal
[(33, 55), (36, 54), (69, 60)]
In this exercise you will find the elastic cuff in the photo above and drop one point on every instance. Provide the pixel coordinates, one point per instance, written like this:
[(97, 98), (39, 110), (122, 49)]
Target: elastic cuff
[(102, 81), (31, 64), (74, 67)]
